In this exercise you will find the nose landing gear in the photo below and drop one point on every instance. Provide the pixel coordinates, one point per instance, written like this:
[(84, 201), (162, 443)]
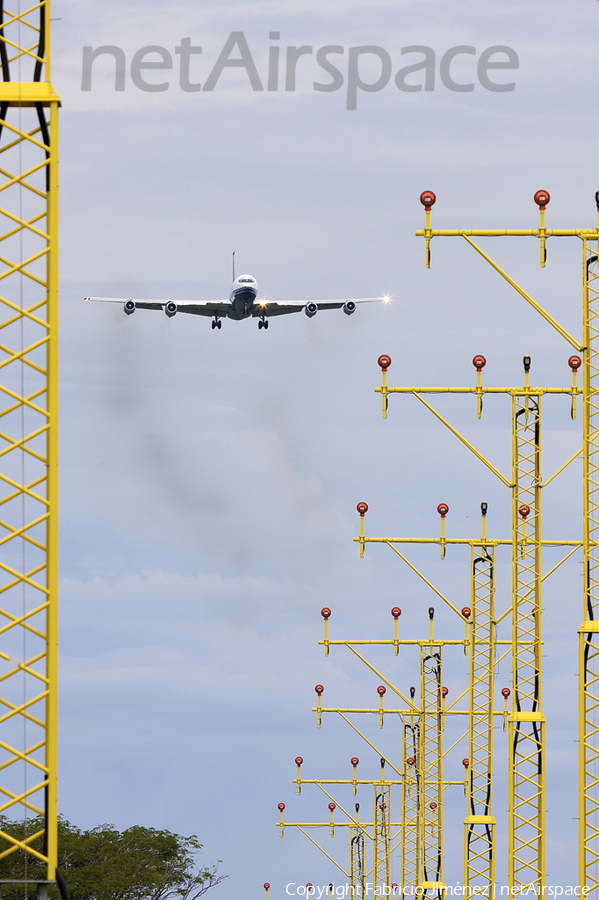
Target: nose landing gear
[(263, 323), (217, 322)]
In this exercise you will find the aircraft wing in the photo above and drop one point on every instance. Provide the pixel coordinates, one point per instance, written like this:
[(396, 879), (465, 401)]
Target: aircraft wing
[(194, 307), (203, 307), (283, 307)]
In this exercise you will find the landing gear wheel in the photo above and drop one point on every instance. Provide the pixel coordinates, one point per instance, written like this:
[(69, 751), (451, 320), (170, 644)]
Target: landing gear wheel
[(263, 323), (216, 323)]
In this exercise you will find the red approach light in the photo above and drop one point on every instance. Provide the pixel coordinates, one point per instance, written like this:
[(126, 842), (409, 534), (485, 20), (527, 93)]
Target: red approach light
[(383, 806), (542, 198), (396, 612), (325, 612), (298, 761), (575, 363), (444, 692), (479, 362), (266, 885), (384, 362), (465, 763), (381, 689), (410, 760), (354, 761), (433, 806), (362, 508), (524, 511), (442, 509), (428, 200), (281, 806), (505, 692), (319, 689), (466, 612), (332, 806)]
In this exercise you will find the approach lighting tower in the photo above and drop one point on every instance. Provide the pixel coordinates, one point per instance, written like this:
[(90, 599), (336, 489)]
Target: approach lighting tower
[(526, 768), (28, 450), (526, 724), (527, 575), (373, 836), (420, 772), (419, 763)]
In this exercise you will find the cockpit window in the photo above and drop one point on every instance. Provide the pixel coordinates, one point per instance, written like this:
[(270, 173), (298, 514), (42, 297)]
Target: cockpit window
[(246, 280)]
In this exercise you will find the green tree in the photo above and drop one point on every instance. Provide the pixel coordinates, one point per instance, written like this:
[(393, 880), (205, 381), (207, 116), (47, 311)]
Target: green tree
[(107, 864)]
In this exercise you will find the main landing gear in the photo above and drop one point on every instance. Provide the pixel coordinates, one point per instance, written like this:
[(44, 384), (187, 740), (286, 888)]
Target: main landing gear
[(263, 323), (217, 322)]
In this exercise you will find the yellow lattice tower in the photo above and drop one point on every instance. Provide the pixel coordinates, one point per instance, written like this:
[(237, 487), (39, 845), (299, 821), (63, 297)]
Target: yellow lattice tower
[(526, 723), (479, 825), (28, 454), (410, 818), (382, 837), (589, 647), (430, 765)]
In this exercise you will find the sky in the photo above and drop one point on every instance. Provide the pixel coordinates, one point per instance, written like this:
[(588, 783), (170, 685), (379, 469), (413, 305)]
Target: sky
[(209, 479)]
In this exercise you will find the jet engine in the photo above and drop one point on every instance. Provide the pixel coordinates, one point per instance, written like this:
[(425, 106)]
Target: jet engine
[(170, 309), (349, 307), (129, 307), (311, 309)]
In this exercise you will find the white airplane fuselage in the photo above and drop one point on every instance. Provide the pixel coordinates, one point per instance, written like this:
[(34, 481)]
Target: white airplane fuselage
[(244, 292)]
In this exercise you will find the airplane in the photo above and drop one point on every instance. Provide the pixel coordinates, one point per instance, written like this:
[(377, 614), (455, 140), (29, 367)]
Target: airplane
[(243, 303)]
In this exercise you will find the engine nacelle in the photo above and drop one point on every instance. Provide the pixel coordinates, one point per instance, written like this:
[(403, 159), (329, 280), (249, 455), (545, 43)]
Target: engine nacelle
[(170, 309), (129, 307), (349, 307), (311, 309)]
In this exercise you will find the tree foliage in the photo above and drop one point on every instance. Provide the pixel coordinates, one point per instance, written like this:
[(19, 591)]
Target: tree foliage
[(107, 864)]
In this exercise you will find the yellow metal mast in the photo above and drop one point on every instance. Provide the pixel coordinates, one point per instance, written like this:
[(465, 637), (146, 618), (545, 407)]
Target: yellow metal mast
[(410, 819), (588, 665), (430, 765), (526, 724), (382, 836), (28, 452), (479, 824)]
